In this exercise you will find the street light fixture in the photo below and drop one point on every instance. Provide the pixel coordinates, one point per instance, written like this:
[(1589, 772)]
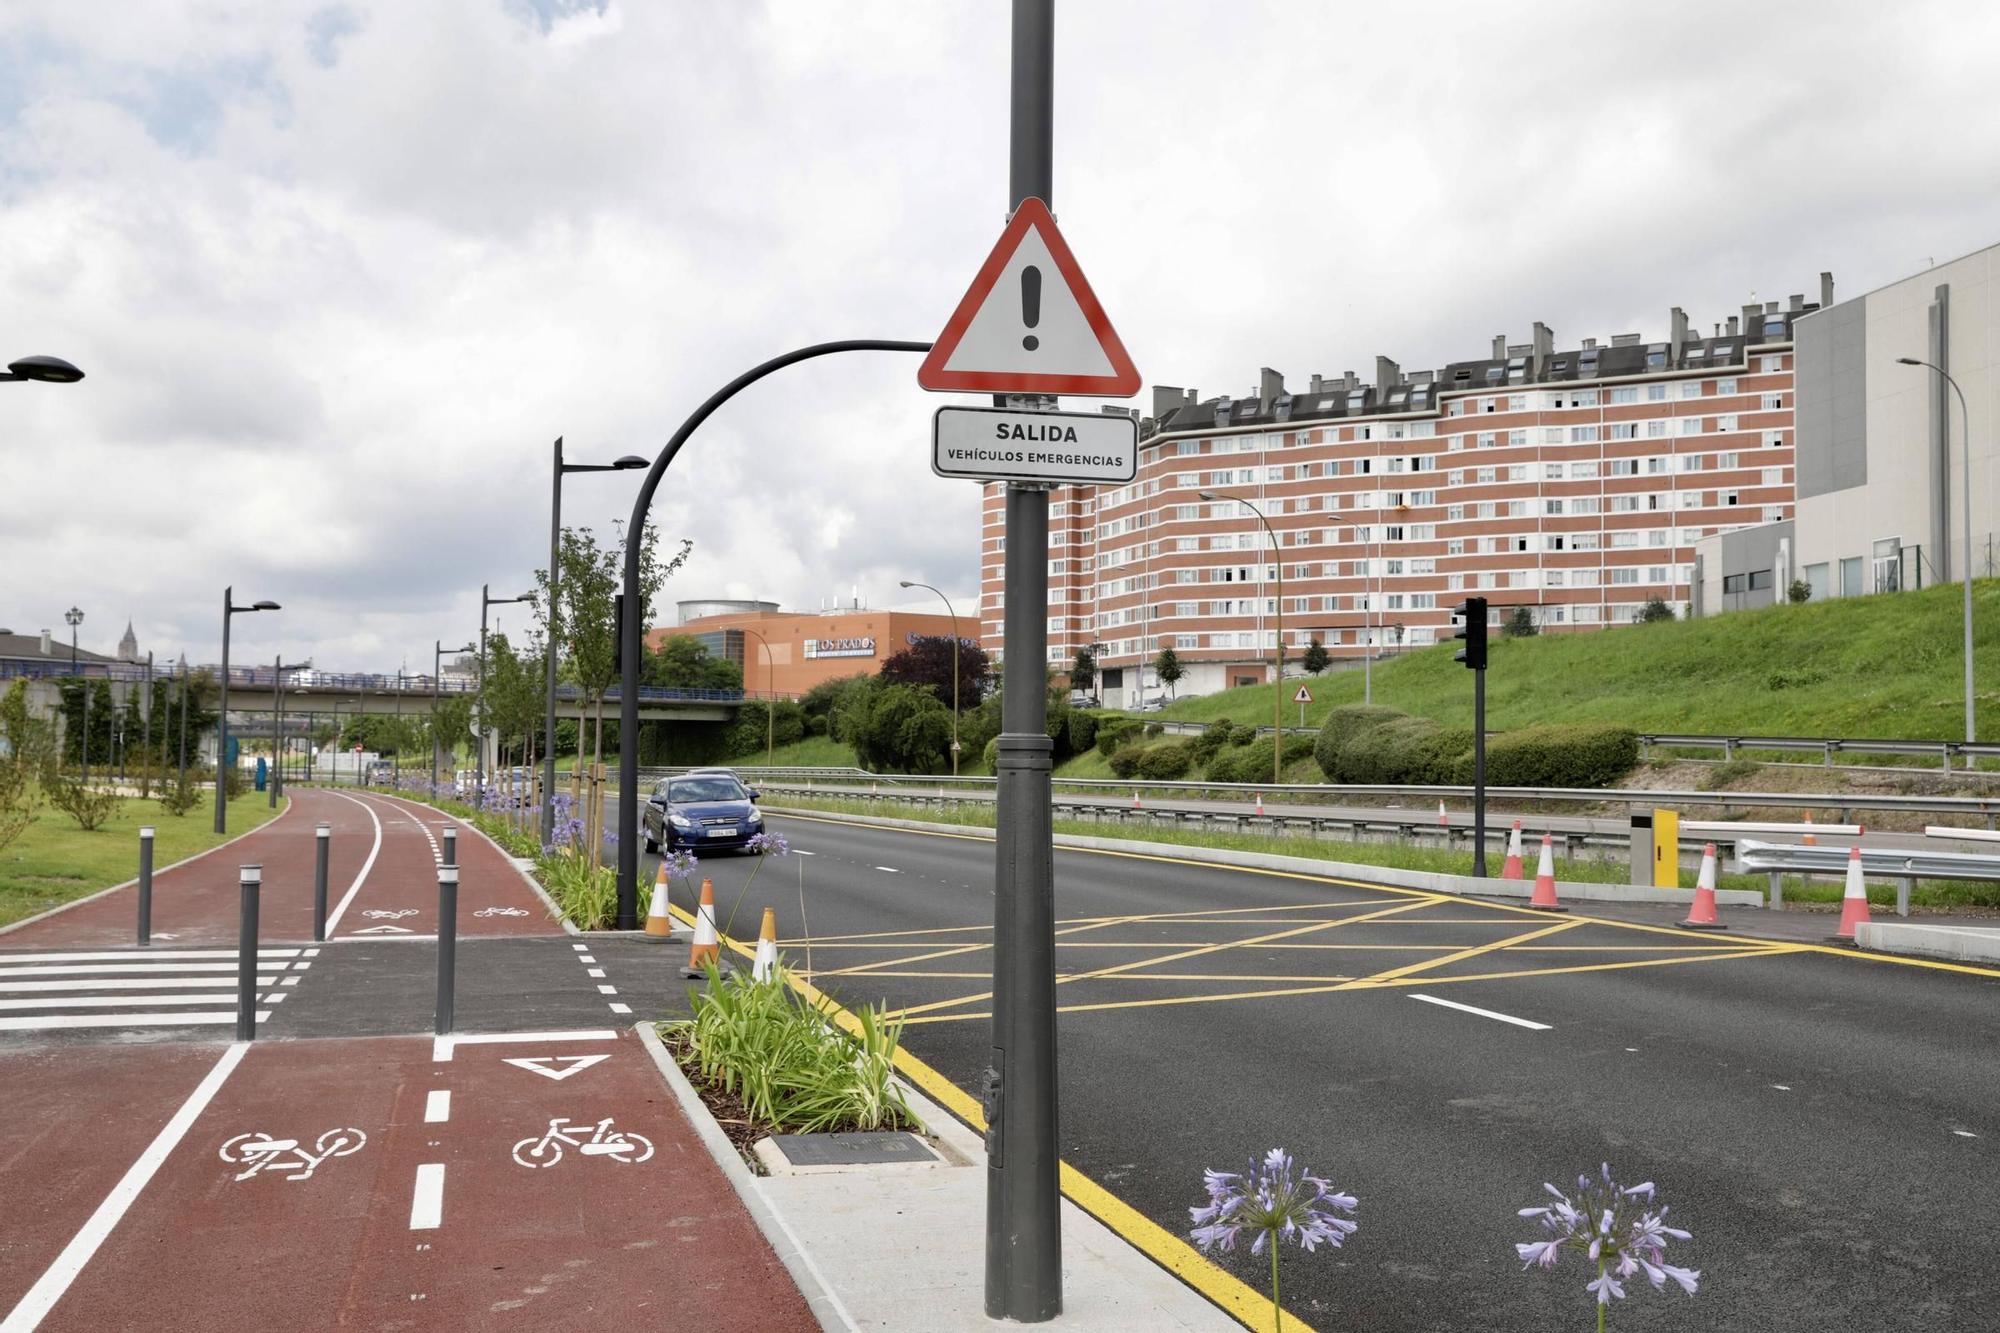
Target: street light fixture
[(1278, 655), (912, 583), (1965, 443), (278, 669), (229, 610), (74, 617), (46, 369), (487, 599), (437, 676), (770, 693), (626, 463)]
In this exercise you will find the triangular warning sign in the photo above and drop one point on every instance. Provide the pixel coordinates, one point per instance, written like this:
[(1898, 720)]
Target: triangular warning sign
[(556, 1067), (1304, 696), (1030, 323)]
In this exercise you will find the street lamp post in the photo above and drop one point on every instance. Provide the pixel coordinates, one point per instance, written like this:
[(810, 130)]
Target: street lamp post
[(437, 677), (487, 599), (74, 616), (184, 724), (1278, 656), (1368, 658), (229, 611), (278, 747), (46, 369), (912, 583), (1965, 490), (770, 693), (554, 611)]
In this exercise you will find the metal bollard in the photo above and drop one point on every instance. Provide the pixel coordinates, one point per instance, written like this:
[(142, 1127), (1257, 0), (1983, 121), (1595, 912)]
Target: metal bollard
[(450, 847), (251, 877), (146, 885), (447, 944), (323, 837), (1776, 898)]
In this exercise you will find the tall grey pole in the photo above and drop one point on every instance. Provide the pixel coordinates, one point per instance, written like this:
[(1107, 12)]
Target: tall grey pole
[(1023, 1196), (222, 720), (437, 666), (549, 702), (1965, 438), (184, 722), (479, 701), (147, 743), (277, 731)]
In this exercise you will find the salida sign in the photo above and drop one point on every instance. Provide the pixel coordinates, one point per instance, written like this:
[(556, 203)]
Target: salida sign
[(1001, 444)]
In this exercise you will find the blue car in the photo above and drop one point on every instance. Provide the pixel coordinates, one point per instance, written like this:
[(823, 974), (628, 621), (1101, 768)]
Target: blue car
[(700, 811)]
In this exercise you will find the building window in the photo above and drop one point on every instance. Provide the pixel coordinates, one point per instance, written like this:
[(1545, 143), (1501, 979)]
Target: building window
[(1626, 394)]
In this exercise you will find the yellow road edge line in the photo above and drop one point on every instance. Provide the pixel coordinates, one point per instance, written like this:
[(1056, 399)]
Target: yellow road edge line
[(1223, 1289)]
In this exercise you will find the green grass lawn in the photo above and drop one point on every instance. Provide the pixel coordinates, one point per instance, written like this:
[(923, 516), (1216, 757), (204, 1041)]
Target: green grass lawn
[(1823, 889), (1886, 666), (56, 862)]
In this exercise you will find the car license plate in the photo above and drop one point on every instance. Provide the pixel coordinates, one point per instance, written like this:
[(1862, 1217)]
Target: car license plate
[(721, 832)]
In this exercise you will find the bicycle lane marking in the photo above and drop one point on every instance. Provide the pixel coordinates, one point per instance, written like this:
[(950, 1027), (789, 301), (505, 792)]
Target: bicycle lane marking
[(333, 917), (277, 1172), (79, 1118), (495, 897)]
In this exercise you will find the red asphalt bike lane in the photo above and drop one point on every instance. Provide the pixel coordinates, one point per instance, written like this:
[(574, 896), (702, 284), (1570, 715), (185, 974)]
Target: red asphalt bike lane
[(400, 895), (402, 1183)]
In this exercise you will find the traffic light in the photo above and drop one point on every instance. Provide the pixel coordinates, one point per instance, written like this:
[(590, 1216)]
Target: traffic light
[(1472, 611)]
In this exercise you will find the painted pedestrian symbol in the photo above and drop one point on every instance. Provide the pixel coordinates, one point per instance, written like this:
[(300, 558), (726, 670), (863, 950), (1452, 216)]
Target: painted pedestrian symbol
[(555, 1067), (380, 914), (261, 1152), (599, 1140), (501, 911)]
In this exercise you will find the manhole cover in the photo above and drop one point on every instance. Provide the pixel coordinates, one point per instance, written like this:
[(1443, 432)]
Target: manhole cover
[(852, 1149)]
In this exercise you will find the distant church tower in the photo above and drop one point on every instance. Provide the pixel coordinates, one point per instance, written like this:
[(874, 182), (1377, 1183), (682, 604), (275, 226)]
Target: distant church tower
[(128, 647)]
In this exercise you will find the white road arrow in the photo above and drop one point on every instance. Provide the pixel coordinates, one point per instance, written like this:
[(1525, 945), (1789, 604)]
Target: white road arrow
[(382, 930), (556, 1067)]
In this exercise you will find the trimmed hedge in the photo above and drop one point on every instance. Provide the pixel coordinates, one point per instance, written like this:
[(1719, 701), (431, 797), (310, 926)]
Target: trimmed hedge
[(1211, 739), (1252, 762), (1165, 763), (1082, 731), (1403, 749), (1111, 735), (1562, 755), (1125, 762), (1342, 727)]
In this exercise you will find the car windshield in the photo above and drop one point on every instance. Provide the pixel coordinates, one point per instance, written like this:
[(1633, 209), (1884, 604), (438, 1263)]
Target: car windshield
[(706, 789)]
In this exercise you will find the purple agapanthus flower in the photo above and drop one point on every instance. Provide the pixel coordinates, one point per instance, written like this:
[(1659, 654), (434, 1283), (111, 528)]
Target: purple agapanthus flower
[(767, 844), (1274, 1201), (680, 863), (1621, 1229)]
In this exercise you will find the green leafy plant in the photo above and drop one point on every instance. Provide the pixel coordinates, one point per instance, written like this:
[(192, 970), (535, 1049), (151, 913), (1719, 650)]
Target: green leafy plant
[(179, 795), (586, 895), (87, 805)]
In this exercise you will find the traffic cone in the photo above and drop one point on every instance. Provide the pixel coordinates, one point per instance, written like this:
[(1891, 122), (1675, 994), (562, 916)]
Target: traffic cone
[(659, 924), (1442, 821), (1854, 904), (1809, 840), (1135, 799), (706, 949), (1702, 916), (1260, 805), (1545, 880), (766, 965), (1512, 870)]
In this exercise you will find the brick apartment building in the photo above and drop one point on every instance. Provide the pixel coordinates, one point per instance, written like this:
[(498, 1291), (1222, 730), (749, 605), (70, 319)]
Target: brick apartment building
[(1574, 483)]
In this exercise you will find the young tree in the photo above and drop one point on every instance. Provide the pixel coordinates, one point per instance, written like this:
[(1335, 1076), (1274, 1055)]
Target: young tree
[(1167, 666), (1520, 624), (1654, 611), (926, 663), (587, 636), (901, 729), (1083, 671), (683, 662), (1316, 659)]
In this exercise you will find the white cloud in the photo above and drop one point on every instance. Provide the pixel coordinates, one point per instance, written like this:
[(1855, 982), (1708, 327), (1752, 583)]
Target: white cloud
[(339, 273)]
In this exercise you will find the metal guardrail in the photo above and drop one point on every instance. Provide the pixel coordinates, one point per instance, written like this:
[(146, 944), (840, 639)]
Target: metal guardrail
[(1905, 866)]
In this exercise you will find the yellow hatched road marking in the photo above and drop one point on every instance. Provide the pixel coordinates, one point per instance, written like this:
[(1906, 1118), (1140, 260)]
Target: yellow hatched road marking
[(1424, 966)]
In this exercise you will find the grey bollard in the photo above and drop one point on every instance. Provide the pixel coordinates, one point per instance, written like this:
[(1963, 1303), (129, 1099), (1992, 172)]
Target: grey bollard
[(251, 878), (323, 837), (447, 945), (450, 847), (1776, 899), (146, 885), (1903, 889)]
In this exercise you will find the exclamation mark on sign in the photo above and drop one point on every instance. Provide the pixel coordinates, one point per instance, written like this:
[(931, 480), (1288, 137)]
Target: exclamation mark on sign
[(1031, 304)]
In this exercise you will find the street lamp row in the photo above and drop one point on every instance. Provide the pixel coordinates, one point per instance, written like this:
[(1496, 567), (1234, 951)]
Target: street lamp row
[(230, 610)]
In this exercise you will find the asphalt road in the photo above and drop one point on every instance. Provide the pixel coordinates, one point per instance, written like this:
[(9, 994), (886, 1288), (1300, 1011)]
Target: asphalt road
[(1825, 1125)]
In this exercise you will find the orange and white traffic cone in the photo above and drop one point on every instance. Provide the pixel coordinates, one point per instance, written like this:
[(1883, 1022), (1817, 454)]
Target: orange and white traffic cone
[(659, 923), (706, 950), (1809, 840), (1135, 799), (766, 965), (1702, 915), (1442, 821), (1512, 870), (1544, 899), (1260, 805), (1854, 903)]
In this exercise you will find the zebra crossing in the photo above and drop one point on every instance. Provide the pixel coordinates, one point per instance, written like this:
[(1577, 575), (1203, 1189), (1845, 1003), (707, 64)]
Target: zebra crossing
[(138, 988)]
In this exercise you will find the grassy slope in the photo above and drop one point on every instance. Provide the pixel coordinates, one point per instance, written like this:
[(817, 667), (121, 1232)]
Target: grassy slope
[(56, 862), (1886, 666)]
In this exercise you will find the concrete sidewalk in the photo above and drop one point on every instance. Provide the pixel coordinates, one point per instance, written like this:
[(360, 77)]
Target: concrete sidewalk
[(904, 1247)]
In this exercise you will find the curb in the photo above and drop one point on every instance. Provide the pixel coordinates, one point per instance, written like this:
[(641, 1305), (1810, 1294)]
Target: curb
[(48, 912), (1429, 881), (826, 1306)]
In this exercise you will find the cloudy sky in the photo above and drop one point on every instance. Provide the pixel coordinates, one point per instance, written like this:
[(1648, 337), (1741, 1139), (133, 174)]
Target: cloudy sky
[(339, 273)]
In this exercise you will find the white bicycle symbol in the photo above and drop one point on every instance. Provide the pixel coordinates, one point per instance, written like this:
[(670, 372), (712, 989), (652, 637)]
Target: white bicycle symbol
[(380, 914), (603, 1141), (264, 1153), (501, 911)]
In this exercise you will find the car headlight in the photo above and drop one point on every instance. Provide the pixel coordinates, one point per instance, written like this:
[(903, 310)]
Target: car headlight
[(680, 821), (754, 817)]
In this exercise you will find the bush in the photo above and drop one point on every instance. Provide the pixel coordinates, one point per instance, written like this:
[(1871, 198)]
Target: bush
[(1082, 731), (992, 753), (1341, 727), (1125, 763), (1251, 762), (177, 797), (815, 724), (1059, 717), (1156, 728), (1111, 735), (1404, 749), (1243, 735), (1165, 763), (1211, 739), (1573, 755)]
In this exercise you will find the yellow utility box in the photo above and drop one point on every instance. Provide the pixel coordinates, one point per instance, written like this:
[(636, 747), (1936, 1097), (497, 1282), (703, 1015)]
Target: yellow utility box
[(1666, 849)]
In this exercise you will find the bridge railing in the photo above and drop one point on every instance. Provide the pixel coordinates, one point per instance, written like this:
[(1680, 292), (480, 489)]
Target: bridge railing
[(306, 682)]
